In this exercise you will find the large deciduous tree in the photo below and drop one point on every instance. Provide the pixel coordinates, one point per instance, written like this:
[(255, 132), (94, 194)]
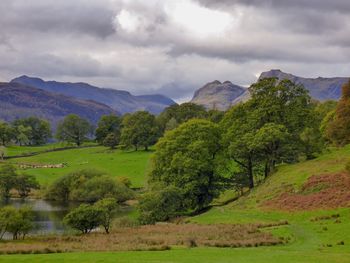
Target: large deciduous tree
[(139, 130), (273, 126), (186, 158), (73, 129), (108, 124)]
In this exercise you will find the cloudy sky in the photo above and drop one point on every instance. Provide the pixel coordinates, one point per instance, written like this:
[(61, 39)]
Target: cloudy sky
[(172, 46)]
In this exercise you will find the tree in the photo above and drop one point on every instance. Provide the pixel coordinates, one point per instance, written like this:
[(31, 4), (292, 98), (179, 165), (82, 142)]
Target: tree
[(111, 141), (23, 134), (109, 207), (160, 205), (39, 132), (139, 130), (108, 124), (25, 183), (338, 129), (20, 221), (84, 218), (186, 158), (73, 129), (267, 129), (7, 179), (6, 133), (181, 113), (2, 152)]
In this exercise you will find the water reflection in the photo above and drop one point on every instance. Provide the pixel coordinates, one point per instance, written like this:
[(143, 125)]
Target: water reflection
[(48, 215)]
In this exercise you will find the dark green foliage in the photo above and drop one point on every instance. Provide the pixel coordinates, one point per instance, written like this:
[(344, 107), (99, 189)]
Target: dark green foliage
[(6, 133), (139, 130), (33, 130), (186, 158), (108, 124), (84, 218), (73, 129), (160, 205), (277, 125), (8, 177), (215, 115), (17, 222), (180, 113), (110, 141), (25, 183), (89, 186)]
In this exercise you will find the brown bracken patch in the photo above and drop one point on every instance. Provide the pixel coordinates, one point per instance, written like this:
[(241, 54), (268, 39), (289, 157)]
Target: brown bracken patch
[(319, 192), (153, 237)]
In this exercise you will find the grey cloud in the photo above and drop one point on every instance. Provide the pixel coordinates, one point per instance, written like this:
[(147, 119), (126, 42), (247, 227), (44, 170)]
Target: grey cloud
[(78, 16)]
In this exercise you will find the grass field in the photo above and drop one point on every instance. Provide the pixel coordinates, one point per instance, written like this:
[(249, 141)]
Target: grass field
[(117, 163)]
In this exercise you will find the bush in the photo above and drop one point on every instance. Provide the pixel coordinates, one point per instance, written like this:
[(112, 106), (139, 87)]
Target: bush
[(88, 186), (87, 217), (160, 205), (84, 218)]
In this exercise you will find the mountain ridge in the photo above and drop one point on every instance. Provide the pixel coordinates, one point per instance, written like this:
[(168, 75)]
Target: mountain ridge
[(120, 100), (19, 101)]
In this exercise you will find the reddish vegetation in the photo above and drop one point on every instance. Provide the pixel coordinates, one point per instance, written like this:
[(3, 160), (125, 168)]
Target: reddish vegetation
[(320, 191), (156, 237)]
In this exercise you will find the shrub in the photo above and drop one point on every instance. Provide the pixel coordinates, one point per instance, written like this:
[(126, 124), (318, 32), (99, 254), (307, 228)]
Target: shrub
[(88, 186), (84, 218), (160, 205)]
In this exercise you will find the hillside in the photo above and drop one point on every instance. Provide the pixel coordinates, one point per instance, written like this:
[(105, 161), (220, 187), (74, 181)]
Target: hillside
[(320, 88), (18, 101), (219, 95), (119, 100)]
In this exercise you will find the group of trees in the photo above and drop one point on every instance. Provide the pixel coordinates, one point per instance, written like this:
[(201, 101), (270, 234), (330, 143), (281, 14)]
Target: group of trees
[(88, 186), (199, 158), (10, 179), (26, 131), (17, 222)]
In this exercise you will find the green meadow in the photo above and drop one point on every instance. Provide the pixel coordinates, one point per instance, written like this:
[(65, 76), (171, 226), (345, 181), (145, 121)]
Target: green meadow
[(130, 164)]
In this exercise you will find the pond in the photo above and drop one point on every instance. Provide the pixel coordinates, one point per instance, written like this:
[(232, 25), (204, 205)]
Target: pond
[(48, 215)]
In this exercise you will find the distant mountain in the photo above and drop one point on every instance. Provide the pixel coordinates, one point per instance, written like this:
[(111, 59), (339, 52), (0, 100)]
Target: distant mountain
[(19, 100), (219, 95), (320, 88), (121, 101)]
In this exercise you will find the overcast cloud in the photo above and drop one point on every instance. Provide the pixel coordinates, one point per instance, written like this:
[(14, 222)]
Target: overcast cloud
[(172, 46)]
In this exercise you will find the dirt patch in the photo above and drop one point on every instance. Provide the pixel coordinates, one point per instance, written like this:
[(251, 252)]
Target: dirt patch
[(319, 192), (156, 237)]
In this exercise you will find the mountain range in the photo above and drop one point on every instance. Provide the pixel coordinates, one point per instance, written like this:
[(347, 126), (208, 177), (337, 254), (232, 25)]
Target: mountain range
[(119, 100), (27, 96), (223, 95), (19, 101)]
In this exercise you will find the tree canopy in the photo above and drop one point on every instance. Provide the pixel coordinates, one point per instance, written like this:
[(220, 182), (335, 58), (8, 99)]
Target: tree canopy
[(73, 129)]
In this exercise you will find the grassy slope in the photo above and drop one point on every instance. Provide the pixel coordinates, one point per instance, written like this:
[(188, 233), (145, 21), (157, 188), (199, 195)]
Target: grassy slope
[(116, 163), (309, 241)]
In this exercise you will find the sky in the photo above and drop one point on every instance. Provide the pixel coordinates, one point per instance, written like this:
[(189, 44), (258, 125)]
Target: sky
[(172, 47)]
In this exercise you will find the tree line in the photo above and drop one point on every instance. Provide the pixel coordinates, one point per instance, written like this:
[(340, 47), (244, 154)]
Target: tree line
[(199, 159)]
